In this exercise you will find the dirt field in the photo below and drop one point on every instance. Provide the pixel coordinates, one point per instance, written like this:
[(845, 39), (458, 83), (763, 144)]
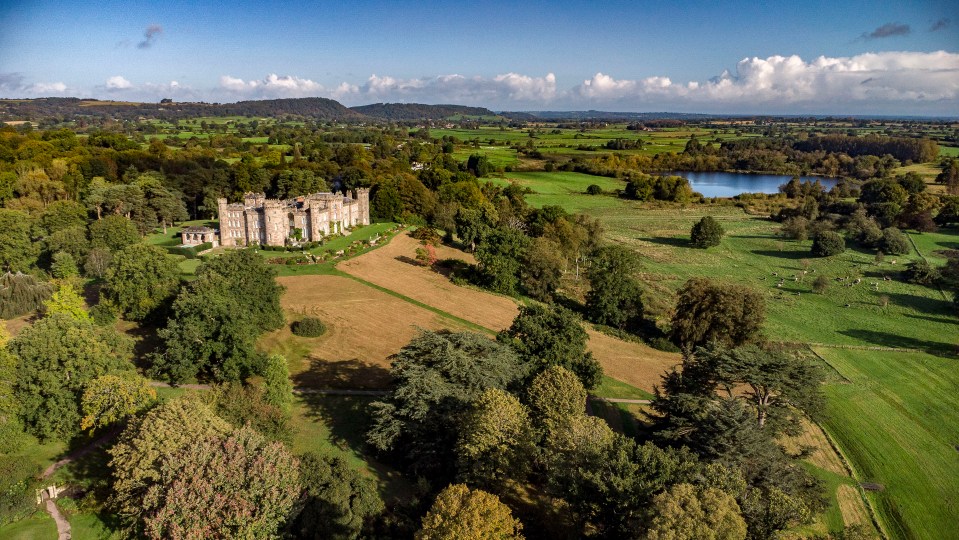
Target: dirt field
[(387, 267), (850, 504), (365, 326), (824, 456), (392, 266), (632, 363)]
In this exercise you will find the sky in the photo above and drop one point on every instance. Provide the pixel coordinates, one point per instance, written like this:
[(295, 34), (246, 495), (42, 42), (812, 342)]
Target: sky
[(733, 57)]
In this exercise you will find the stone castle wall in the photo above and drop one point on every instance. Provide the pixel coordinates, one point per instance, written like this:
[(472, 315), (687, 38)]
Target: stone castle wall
[(258, 220)]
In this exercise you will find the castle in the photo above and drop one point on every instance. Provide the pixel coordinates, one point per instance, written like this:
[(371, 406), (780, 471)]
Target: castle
[(271, 222)]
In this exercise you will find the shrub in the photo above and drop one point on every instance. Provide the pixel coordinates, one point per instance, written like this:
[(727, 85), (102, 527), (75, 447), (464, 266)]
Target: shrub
[(103, 314), (894, 242), (707, 233), (827, 244), (594, 189), (821, 284), (922, 273), (308, 327)]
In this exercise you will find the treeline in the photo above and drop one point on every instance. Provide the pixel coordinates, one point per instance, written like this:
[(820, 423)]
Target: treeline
[(874, 157), (418, 111), (903, 149), (66, 109)]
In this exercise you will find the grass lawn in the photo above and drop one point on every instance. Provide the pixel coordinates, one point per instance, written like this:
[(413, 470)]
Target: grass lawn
[(336, 425), (611, 388), (39, 526), (896, 420)]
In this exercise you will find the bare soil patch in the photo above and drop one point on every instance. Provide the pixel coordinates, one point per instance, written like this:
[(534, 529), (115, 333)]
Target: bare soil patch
[(392, 266), (632, 363), (364, 328), (823, 455), (851, 506)]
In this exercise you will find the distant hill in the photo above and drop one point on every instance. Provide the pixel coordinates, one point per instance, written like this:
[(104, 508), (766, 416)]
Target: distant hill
[(418, 111), (37, 109), (603, 115)]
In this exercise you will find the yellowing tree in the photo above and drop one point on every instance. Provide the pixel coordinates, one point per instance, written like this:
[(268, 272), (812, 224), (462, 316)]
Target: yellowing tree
[(685, 512), (110, 398), (68, 301), (460, 513)]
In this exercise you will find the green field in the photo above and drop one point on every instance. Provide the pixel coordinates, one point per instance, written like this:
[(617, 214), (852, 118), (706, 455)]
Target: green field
[(895, 417), (913, 316), (896, 421)]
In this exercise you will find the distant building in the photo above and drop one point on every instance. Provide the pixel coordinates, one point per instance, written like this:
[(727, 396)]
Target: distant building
[(194, 236), (271, 222)]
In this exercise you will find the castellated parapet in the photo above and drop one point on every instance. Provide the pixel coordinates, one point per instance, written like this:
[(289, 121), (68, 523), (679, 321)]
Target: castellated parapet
[(271, 222)]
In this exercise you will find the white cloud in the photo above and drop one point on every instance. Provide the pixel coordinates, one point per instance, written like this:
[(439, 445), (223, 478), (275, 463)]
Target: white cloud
[(913, 78), (47, 89), (272, 86), (118, 82), (508, 88)]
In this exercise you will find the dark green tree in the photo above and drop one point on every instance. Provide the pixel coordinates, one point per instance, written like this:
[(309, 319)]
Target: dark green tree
[(706, 233), (438, 376), (337, 499), (141, 279), (547, 336), (57, 356), (709, 311), (217, 318), (18, 251), (614, 297), (827, 244), (895, 242), (500, 257), (113, 233)]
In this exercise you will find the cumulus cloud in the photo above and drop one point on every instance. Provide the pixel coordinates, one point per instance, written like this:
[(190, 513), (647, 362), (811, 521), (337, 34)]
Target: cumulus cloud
[(150, 35), (118, 82), (272, 86), (888, 30), (909, 77), (503, 88), (14, 85), (941, 24)]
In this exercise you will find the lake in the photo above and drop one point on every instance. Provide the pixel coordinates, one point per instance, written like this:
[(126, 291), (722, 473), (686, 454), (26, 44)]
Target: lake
[(725, 184)]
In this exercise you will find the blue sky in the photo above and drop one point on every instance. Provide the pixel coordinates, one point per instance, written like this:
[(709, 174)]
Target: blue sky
[(820, 57)]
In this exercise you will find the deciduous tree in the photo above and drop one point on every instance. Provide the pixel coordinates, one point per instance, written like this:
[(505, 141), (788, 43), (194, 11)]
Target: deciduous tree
[(614, 297), (547, 336), (239, 486), (111, 398), (709, 311), (141, 279), (706, 233), (337, 500), (460, 513), (686, 513)]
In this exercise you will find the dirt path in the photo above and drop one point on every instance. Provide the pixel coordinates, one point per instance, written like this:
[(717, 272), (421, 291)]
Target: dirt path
[(63, 526), (79, 453), (622, 400)]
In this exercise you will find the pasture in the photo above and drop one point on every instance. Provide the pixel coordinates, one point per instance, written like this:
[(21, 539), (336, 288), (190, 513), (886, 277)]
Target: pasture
[(894, 416)]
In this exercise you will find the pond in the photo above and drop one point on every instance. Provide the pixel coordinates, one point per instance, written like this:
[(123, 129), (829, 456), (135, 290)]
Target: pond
[(725, 184)]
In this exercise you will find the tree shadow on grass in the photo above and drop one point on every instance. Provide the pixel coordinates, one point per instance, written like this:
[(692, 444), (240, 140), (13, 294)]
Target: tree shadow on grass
[(348, 419), (921, 303), (790, 255), (943, 320), (669, 241), (343, 374), (885, 339)]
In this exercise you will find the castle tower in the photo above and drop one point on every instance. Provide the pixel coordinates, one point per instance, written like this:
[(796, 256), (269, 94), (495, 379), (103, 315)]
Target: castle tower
[(224, 220), (276, 221), (363, 199)]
